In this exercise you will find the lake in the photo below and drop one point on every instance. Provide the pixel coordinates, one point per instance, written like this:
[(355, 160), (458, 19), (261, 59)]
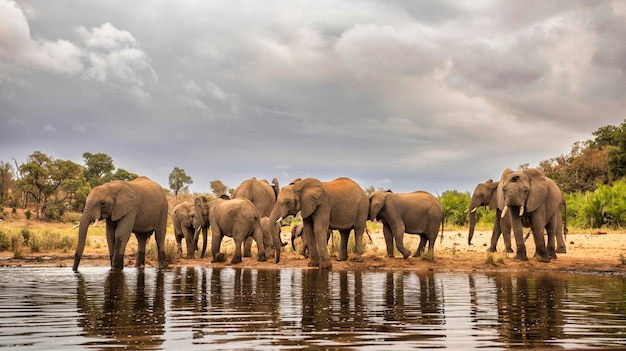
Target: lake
[(231, 308)]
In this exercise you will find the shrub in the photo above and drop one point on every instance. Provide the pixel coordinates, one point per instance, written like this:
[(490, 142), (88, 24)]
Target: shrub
[(54, 211), (5, 241), (28, 214)]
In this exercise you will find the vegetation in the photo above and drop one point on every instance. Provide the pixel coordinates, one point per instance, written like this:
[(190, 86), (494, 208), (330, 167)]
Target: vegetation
[(179, 180)]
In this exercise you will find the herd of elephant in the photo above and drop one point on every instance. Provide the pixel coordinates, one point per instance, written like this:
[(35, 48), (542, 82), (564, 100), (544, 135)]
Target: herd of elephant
[(257, 208)]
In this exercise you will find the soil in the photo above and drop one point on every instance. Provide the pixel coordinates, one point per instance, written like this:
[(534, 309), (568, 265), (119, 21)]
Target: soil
[(596, 252)]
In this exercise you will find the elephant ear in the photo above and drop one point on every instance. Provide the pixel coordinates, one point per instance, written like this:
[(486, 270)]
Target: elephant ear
[(493, 186), (125, 200), (377, 201), (182, 215), (538, 189), (276, 188), (312, 194), (500, 193)]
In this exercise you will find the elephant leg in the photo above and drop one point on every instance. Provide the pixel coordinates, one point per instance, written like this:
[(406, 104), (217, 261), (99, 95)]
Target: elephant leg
[(204, 241), (142, 239), (118, 253), (343, 245), (179, 244), (495, 234), (505, 229), (110, 234), (258, 237), (308, 237), (216, 243), (518, 232), (247, 252), (551, 231), (398, 236), (358, 243), (388, 240), (191, 243), (238, 244), (540, 243), (159, 237), (319, 245), (420, 249)]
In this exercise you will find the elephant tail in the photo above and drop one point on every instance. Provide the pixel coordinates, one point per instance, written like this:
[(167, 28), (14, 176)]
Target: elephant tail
[(442, 221)]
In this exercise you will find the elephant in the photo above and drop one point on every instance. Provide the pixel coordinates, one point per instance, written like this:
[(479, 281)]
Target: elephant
[(236, 218), (339, 204), (296, 232), (485, 194), (185, 222), (263, 195), (138, 206), (531, 200), (418, 212)]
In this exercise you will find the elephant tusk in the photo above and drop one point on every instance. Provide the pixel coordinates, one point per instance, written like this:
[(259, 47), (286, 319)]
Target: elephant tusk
[(95, 223), (279, 219), (74, 227), (521, 210), (474, 210), (506, 208)]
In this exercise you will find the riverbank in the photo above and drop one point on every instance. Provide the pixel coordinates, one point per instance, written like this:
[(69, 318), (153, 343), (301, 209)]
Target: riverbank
[(590, 253)]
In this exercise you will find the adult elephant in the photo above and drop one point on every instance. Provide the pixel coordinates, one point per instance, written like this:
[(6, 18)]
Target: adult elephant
[(138, 206), (185, 223), (263, 195), (418, 212), (531, 200), (340, 204), (236, 218), (486, 194), (297, 231)]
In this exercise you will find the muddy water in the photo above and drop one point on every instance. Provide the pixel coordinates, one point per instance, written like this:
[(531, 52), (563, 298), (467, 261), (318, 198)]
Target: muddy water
[(205, 308)]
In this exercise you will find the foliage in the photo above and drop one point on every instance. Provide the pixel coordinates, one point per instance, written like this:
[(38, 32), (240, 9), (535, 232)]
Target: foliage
[(6, 181), (455, 207), (603, 208), (179, 180), (98, 168), (218, 188)]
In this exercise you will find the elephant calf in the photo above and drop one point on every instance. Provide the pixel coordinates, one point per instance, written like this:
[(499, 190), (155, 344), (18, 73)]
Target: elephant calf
[(185, 223), (415, 213), (236, 218), (297, 232)]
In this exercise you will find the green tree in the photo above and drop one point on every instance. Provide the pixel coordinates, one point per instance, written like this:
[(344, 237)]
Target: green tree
[(218, 188), (98, 168), (455, 206), (122, 174), (179, 180)]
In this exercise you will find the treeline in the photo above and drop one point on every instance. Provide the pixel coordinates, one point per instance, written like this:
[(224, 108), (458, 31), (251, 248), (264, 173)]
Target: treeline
[(592, 175)]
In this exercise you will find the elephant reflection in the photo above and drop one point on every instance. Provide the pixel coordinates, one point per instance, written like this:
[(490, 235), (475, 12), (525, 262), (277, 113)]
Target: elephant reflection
[(529, 308), (128, 312), (403, 304)]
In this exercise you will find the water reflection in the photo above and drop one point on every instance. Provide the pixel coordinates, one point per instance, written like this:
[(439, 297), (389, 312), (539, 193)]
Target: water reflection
[(127, 313), (200, 308)]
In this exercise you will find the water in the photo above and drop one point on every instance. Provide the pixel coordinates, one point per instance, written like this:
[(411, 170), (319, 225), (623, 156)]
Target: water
[(230, 308)]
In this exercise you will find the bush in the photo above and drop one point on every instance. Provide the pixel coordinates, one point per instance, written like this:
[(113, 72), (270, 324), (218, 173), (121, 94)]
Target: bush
[(5, 241), (455, 207), (54, 211), (604, 207), (28, 214)]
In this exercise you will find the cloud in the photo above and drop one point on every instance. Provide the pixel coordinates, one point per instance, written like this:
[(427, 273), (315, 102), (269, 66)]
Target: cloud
[(18, 50)]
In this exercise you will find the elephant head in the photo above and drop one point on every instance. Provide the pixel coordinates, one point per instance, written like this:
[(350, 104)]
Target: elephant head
[(201, 206), (485, 194), (299, 196), (377, 201), (110, 201), (525, 189)]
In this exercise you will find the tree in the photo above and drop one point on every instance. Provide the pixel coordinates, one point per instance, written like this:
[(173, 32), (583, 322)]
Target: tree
[(455, 206), (7, 181), (179, 180), (218, 188), (98, 168), (122, 174)]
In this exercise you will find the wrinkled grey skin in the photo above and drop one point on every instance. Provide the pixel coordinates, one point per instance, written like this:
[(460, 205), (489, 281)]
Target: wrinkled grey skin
[(236, 218), (531, 200), (486, 194), (340, 204), (414, 213), (138, 206), (263, 195), (185, 223), (297, 231)]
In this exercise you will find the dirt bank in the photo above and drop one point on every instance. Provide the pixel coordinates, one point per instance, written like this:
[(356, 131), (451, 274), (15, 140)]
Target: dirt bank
[(593, 253)]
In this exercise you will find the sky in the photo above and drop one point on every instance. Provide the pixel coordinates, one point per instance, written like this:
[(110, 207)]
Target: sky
[(401, 95)]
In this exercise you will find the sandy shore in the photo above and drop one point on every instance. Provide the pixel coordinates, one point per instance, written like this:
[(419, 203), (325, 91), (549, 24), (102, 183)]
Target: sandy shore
[(593, 253)]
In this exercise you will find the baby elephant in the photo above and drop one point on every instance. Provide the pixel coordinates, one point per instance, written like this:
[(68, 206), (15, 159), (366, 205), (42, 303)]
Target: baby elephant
[(296, 232), (236, 218), (415, 213)]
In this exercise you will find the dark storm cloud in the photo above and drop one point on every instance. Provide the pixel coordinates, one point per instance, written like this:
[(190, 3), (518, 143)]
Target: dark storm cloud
[(396, 94)]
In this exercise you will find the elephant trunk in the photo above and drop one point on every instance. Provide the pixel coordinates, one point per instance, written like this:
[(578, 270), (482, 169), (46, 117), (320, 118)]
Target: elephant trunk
[(293, 239), (86, 219), (472, 225), (275, 216)]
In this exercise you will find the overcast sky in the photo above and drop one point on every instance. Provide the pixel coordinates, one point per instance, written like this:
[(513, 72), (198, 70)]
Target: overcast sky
[(405, 95)]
